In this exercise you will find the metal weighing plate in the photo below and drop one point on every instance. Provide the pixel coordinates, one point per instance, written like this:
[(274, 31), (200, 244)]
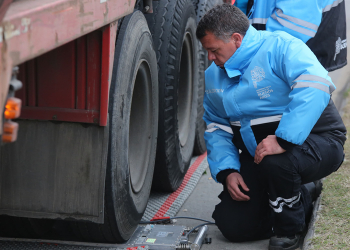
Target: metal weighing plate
[(148, 237), (161, 237)]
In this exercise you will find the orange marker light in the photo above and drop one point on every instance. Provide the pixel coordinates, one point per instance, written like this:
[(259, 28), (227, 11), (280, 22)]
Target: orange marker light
[(13, 108), (10, 131)]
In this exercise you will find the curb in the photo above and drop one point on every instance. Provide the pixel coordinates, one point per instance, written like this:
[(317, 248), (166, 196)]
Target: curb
[(311, 230)]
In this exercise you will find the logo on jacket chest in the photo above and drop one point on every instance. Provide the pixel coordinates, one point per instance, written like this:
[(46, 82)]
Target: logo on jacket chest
[(258, 74), (264, 92)]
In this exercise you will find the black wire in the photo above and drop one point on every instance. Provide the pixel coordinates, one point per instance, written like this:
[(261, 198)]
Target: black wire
[(193, 218), (178, 217)]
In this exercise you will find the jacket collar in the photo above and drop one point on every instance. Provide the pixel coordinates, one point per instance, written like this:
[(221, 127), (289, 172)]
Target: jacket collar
[(240, 60)]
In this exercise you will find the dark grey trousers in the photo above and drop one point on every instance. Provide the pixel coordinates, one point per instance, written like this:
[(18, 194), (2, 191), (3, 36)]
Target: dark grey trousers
[(279, 203)]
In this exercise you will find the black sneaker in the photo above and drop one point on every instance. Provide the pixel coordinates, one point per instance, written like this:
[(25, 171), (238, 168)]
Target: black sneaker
[(284, 243), (314, 189)]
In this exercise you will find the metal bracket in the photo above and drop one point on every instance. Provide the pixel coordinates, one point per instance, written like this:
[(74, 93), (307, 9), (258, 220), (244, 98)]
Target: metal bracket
[(15, 84), (148, 6)]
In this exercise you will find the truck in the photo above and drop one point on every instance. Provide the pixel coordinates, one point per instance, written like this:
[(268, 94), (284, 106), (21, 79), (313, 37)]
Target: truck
[(102, 102)]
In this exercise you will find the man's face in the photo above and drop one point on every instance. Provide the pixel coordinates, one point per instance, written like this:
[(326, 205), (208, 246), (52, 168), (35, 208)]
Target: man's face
[(219, 51)]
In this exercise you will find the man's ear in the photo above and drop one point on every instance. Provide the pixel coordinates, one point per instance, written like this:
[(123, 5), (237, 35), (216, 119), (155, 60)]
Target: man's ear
[(238, 38)]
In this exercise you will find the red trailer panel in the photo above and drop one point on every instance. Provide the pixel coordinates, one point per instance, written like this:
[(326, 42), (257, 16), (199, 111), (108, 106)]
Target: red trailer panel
[(55, 74), (70, 83), (33, 28)]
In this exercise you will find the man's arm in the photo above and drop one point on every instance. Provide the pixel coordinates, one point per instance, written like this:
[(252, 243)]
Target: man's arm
[(310, 92), (223, 156)]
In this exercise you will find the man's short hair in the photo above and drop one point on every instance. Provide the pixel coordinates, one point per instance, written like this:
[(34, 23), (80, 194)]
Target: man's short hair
[(223, 20)]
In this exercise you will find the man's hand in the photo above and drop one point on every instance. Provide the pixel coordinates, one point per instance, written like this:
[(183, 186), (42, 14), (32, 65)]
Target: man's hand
[(233, 181), (268, 146)]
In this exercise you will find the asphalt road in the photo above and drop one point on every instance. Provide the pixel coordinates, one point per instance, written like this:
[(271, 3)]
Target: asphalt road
[(202, 201)]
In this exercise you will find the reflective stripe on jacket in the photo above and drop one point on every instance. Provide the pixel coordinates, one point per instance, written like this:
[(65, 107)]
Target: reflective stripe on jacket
[(321, 24), (271, 77)]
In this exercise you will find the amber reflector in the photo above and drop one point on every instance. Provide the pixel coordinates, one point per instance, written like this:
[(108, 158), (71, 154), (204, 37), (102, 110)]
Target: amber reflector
[(13, 108), (10, 131)]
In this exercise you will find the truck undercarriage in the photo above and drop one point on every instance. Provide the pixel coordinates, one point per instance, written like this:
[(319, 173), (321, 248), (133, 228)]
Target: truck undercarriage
[(111, 107)]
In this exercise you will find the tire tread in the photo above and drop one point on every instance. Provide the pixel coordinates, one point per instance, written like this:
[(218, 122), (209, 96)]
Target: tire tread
[(202, 7)]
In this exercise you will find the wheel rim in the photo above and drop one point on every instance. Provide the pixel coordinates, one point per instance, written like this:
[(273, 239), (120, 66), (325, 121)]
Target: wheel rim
[(185, 90), (140, 133)]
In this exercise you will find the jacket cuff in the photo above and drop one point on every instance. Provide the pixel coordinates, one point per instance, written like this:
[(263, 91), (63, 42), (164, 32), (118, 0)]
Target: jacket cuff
[(222, 175), (286, 145)]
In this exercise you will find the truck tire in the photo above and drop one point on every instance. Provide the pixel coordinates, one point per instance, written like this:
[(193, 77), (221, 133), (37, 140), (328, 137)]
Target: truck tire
[(202, 7), (173, 27), (19, 227), (133, 122)]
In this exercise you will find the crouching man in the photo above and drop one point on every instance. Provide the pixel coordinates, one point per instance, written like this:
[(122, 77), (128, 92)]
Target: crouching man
[(272, 128)]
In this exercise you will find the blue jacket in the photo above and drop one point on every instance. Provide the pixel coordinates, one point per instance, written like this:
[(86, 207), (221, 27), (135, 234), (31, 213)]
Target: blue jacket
[(319, 23), (271, 77)]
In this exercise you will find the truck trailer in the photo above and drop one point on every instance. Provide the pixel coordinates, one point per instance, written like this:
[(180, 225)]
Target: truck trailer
[(102, 102)]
